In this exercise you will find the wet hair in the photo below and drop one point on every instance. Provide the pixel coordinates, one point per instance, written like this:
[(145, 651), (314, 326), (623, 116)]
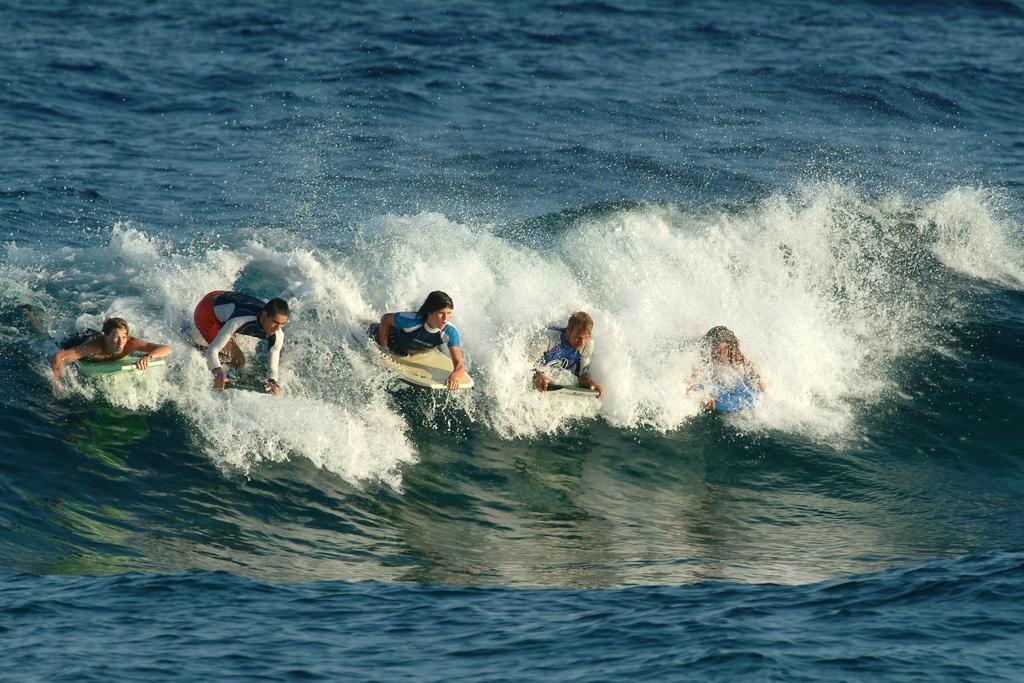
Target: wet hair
[(718, 335), (435, 301), (276, 307), (582, 320), (111, 324)]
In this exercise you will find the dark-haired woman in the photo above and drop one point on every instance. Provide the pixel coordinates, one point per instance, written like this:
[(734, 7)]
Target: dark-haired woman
[(429, 327)]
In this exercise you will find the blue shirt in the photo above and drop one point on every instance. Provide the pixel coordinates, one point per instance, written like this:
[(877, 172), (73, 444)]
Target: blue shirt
[(561, 354), (413, 332)]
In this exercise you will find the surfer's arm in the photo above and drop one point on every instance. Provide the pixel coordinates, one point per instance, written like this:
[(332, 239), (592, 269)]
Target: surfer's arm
[(459, 370), (220, 379), (62, 357), (71, 355), (220, 341), (273, 362), (585, 380), (538, 349), (754, 378), (691, 382), (149, 349), (387, 323), (540, 380), (693, 386)]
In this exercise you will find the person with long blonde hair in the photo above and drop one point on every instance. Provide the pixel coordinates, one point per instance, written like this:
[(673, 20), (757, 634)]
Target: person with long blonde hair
[(724, 367)]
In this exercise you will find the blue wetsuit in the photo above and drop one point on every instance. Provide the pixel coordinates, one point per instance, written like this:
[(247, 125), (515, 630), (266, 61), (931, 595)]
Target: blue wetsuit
[(412, 335), (563, 355)]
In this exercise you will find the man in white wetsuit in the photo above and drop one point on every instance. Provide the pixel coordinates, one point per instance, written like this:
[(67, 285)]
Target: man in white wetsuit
[(221, 315)]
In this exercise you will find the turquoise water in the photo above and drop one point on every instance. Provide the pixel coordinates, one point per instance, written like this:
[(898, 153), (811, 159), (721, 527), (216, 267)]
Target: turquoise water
[(841, 186)]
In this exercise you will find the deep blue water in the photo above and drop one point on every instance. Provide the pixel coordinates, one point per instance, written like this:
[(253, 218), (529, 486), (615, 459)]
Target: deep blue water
[(955, 620), (841, 185)]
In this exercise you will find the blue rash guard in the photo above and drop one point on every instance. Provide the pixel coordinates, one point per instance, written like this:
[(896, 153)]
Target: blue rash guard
[(411, 334), (563, 355)]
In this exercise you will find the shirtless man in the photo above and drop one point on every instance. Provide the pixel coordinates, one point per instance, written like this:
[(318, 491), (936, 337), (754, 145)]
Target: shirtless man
[(112, 343)]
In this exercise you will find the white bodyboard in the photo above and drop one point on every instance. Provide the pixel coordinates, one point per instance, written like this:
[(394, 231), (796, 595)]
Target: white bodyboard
[(572, 390), (429, 369), (121, 366)]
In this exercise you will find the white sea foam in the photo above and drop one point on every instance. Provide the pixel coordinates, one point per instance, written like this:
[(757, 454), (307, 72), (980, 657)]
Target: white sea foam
[(825, 288), (974, 236)]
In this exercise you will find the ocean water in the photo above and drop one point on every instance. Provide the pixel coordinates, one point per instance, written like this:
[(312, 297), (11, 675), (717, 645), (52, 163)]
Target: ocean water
[(841, 185)]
